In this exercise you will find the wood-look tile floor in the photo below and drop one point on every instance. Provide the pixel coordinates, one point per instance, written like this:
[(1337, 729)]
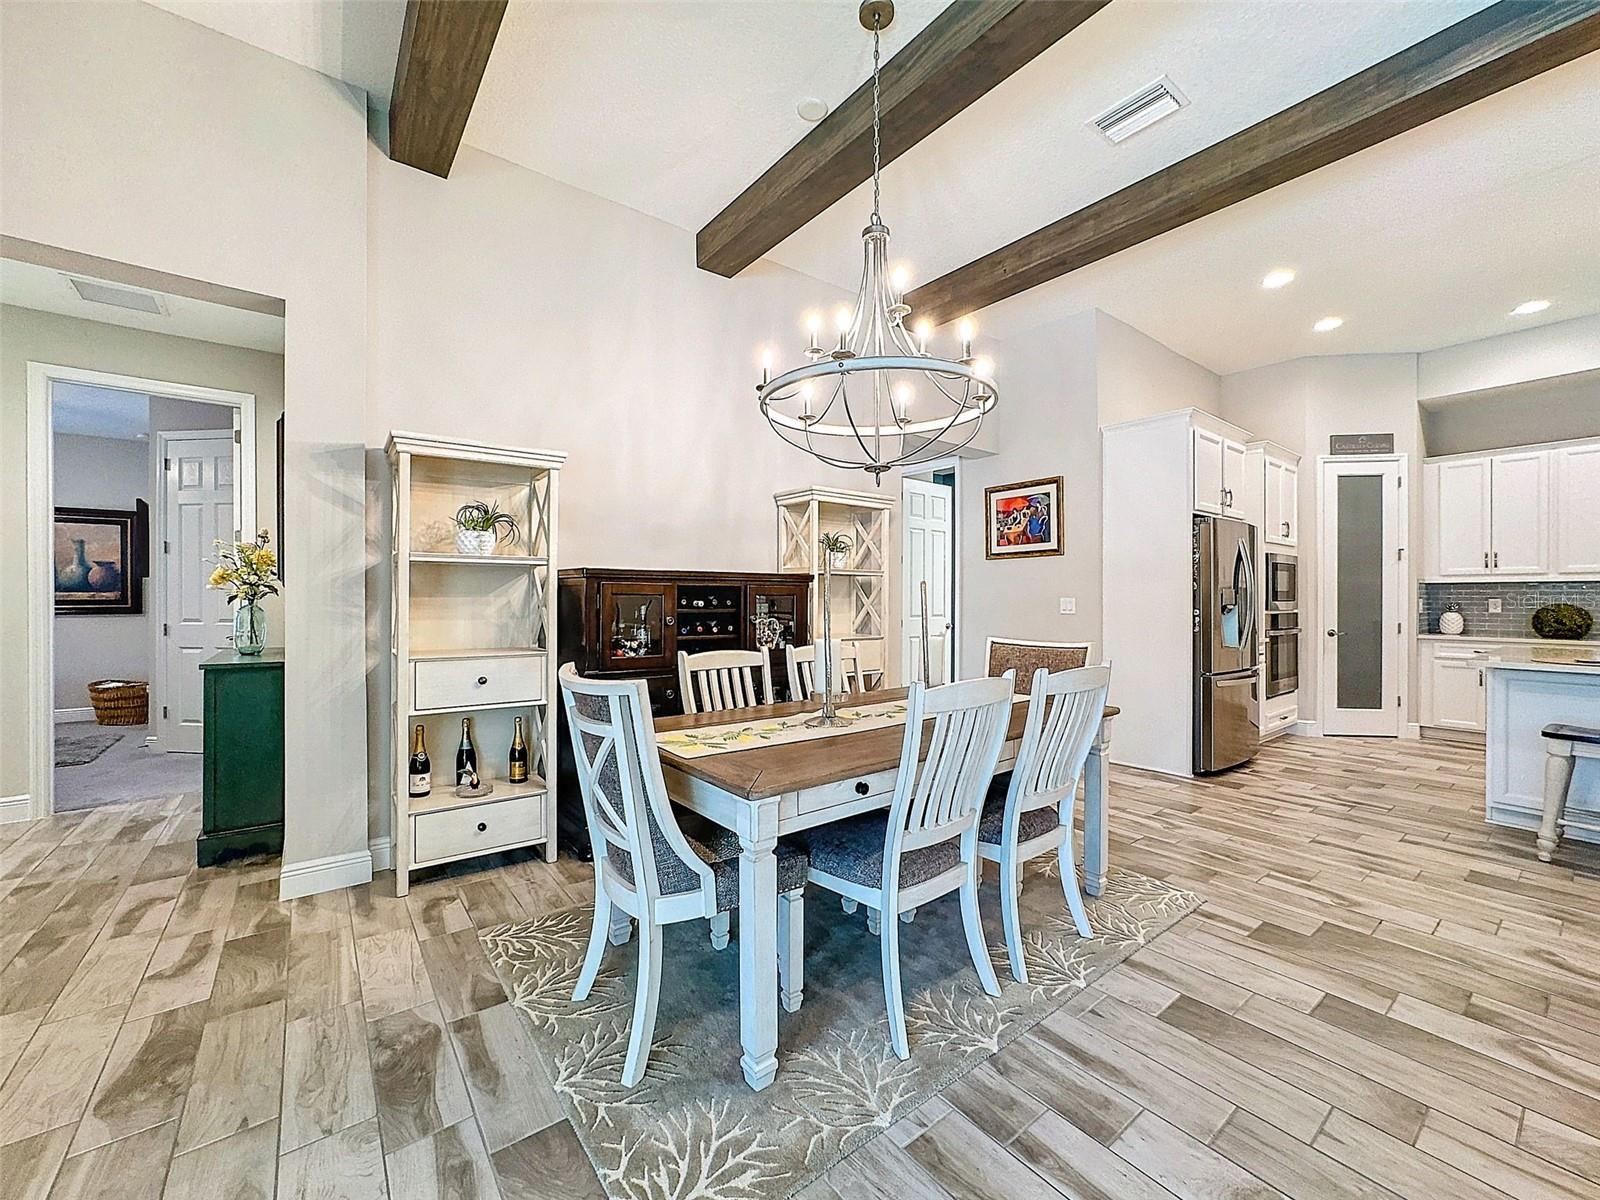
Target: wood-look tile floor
[(1382, 998)]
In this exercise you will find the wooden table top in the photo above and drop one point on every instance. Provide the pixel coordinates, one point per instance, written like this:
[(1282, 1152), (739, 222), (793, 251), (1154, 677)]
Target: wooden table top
[(764, 771)]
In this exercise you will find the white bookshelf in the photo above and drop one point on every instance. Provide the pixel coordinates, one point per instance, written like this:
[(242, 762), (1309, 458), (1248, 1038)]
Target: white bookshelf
[(472, 636), (862, 616)]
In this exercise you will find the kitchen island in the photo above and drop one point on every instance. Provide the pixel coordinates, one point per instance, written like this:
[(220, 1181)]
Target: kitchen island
[(1529, 689)]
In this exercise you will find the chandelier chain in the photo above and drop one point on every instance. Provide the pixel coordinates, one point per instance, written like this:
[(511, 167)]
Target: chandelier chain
[(876, 151)]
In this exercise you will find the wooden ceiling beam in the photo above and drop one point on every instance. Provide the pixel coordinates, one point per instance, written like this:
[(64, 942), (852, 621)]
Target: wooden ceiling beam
[(444, 49), (963, 52), (1491, 50)]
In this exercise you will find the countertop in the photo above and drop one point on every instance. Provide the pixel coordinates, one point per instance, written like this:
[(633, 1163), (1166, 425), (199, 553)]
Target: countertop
[(1522, 660), (272, 656), (1507, 641)]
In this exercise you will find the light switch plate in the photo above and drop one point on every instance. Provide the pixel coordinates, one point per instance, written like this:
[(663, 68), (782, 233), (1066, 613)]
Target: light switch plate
[(1069, 605), (1494, 606)]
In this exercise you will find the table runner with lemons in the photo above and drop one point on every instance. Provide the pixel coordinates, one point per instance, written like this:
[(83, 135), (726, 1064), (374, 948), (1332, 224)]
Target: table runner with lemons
[(775, 731)]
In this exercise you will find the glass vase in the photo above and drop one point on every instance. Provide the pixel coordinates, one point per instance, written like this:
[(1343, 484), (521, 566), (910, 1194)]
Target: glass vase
[(249, 628)]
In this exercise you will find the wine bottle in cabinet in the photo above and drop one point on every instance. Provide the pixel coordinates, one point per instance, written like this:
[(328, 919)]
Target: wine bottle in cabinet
[(419, 776), (518, 770), (466, 754)]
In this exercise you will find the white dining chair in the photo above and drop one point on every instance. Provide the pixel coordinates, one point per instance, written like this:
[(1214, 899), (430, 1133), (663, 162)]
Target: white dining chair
[(805, 680), (1025, 656), (1030, 812), (927, 844), (721, 679), (645, 866)]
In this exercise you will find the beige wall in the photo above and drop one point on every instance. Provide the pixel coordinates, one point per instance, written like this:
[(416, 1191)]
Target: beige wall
[(198, 155), (30, 336), (1553, 410)]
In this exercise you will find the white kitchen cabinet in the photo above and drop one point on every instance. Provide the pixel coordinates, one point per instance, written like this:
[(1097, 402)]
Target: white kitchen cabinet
[(1280, 525), (1208, 456), (1457, 692), (1458, 512), (1577, 510), (1519, 513), (1233, 479)]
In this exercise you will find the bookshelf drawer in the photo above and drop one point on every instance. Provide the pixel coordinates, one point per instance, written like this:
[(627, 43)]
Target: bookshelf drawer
[(477, 828), (445, 683)]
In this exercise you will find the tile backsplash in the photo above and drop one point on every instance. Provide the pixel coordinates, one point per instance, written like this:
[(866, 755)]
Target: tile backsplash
[(1517, 604)]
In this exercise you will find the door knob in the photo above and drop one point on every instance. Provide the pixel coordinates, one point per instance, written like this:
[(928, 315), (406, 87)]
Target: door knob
[(482, 679), (1335, 633)]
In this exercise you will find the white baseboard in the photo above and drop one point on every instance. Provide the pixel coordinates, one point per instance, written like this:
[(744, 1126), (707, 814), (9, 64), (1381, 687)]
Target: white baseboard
[(382, 853), (1308, 728), (1413, 732), (66, 715), (15, 808), (324, 874)]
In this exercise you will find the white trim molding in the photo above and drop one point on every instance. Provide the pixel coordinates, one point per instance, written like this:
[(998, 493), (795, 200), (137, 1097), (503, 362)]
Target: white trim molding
[(15, 808), (1305, 728), (329, 874), (66, 716), (40, 467), (382, 850)]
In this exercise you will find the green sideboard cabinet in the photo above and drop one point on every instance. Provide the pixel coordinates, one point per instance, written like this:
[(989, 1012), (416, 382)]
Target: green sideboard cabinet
[(242, 810)]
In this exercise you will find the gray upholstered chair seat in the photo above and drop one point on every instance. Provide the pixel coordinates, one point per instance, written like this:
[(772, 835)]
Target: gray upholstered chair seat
[(719, 849), (1034, 823), (853, 850)]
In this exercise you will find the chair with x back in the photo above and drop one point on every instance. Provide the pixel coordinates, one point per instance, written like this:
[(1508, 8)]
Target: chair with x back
[(927, 845), (1030, 812), (645, 866)]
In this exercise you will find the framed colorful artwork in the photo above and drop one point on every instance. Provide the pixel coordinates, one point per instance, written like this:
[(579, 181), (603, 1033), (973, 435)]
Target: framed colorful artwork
[(98, 556), (1023, 520)]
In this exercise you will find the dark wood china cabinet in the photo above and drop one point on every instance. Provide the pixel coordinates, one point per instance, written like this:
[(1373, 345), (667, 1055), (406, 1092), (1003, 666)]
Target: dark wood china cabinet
[(621, 624)]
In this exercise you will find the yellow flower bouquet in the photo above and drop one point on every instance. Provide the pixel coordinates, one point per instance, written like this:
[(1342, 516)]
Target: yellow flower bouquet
[(247, 571)]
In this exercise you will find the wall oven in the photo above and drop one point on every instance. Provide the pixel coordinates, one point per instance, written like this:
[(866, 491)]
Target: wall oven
[(1282, 589), (1283, 653)]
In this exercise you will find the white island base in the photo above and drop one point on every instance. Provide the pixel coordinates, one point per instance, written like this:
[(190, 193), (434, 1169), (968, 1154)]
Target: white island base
[(1524, 696)]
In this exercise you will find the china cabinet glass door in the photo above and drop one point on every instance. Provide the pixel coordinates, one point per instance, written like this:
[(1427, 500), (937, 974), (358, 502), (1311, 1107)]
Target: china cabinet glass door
[(637, 625)]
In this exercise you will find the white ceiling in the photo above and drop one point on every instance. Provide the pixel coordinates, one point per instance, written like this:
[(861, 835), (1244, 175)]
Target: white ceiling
[(89, 411), (353, 40), (672, 107), (26, 285)]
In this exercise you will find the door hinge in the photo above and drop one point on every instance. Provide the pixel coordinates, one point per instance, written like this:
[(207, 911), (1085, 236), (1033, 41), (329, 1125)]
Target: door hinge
[(1397, 701), (163, 712), (237, 439), (166, 464), (164, 631), (166, 546)]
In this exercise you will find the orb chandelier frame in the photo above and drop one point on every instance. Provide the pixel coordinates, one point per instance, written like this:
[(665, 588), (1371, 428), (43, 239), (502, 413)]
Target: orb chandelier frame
[(878, 399)]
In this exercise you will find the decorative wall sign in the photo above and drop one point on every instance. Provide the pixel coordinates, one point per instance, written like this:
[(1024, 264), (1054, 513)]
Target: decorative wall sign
[(1023, 520), (98, 558), (1361, 443)]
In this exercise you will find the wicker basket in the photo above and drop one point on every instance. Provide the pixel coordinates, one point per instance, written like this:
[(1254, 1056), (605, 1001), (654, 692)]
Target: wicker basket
[(120, 701)]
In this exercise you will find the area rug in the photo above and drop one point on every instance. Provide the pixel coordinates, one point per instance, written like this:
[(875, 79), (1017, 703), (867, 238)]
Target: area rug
[(692, 1128), (82, 749)]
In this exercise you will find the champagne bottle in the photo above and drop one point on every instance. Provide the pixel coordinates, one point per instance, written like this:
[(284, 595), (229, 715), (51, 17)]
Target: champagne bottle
[(518, 771), (466, 754), (420, 775)]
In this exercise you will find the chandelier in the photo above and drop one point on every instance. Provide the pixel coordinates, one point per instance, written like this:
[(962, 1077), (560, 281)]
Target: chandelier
[(878, 398)]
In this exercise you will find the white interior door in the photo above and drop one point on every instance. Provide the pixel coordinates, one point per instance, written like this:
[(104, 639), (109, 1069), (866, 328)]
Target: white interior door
[(198, 489), (1363, 570), (929, 520)]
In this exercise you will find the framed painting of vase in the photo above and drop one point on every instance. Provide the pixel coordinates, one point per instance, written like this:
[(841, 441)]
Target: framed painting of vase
[(98, 560)]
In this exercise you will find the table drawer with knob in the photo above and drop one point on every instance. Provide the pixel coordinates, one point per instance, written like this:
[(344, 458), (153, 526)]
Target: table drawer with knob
[(482, 682), (477, 828)]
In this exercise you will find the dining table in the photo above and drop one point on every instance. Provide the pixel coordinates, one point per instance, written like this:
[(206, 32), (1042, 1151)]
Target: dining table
[(759, 773)]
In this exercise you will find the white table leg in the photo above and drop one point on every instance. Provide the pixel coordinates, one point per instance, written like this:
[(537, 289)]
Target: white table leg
[(1558, 766), (1094, 812), (758, 945)]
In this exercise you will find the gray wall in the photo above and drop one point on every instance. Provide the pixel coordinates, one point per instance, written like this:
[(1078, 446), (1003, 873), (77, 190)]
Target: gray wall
[(1548, 411)]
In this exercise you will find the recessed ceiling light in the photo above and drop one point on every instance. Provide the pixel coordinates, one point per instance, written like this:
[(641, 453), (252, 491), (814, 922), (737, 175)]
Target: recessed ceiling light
[(812, 109), (1328, 324), (1528, 307), (1273, 280)]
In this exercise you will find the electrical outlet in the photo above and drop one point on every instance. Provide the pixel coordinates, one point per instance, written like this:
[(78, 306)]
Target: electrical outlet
[(1494, 605), (1069, 605)]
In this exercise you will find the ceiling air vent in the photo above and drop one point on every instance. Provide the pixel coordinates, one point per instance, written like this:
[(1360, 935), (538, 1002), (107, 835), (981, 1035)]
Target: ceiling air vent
[(96, 292), (1140, 110)]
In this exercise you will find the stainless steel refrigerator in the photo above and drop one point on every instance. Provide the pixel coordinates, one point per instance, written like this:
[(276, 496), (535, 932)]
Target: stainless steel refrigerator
[(1226, 603)]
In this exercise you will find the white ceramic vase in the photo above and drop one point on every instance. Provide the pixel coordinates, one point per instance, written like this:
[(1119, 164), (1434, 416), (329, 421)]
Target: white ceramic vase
[(1451, 623), (477, 542)]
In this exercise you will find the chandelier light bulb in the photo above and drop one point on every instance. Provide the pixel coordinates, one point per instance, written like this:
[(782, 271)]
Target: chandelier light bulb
[(766, 366), (984, 367), (842, 319), (806, 392), (900, 276), (900, 399), (924, 332)]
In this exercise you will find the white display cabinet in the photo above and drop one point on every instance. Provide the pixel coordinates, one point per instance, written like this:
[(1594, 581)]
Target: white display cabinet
[(472, 636), (862, 616)]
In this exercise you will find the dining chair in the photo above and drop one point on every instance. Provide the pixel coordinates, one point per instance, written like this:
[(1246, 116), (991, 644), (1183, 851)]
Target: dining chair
[(645, 866), (1031, 812), (927, 844), (1025, 656), (724, 679), (804, 679)]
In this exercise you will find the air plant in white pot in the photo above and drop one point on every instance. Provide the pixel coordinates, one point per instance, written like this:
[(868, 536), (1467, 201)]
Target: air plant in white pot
[(481, 526)]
